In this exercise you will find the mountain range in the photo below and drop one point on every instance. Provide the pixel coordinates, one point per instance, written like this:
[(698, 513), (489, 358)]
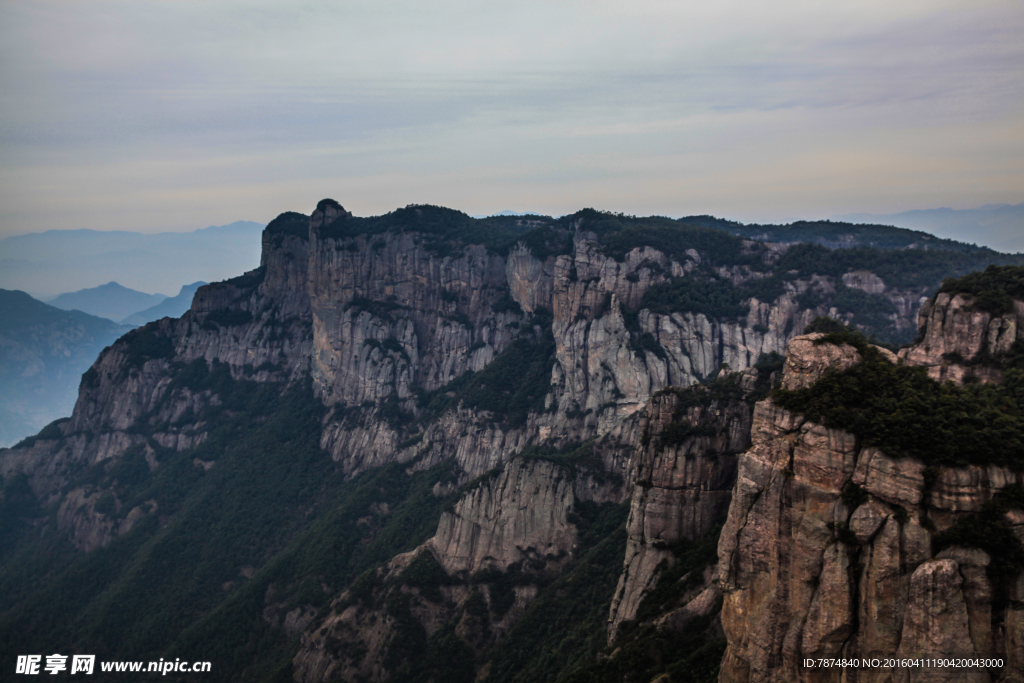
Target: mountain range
[(1000, 226), (49, 263), (170, 307), (424, 447), (111, 301), (43, 353), (127, 306)]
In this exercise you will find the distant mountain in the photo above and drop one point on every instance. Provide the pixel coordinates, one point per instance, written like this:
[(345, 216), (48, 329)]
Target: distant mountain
[(173, 307), (57, 261), (511, 213), (43, 353), (111, 301), (999, 226)]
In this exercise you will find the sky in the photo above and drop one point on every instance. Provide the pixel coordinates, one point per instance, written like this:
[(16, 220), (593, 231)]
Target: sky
[(174, 115)]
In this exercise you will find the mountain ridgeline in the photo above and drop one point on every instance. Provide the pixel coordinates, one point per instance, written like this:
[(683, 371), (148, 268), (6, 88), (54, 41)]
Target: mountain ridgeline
[(426, 447), (43, 353), (111, 301)]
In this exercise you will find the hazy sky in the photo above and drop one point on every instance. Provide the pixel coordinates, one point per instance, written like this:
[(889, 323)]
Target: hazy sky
[(176, 115)]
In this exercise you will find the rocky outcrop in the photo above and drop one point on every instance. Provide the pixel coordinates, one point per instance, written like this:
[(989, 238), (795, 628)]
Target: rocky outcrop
[(686, 466), (436, 311), (827, 549), (516, 519), (90, 528), (392, 320), (518, 515), (959, 340), (362, 637), (601, 361)]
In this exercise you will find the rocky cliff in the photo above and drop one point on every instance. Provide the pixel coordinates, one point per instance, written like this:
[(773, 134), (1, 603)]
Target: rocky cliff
[(835, 548), (389, 330), (686, 466), (472, 404), (959, 340), (474, 578)]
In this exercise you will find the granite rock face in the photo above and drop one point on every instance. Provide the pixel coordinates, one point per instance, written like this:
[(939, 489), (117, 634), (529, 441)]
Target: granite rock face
[(827, 550), (956, 338), (685, 469), (385, 326), (515, 518), (377, 321), (519, 515)]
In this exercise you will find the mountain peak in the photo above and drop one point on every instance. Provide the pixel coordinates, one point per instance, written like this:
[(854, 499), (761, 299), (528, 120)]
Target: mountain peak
[(327, 211), (112, 301)]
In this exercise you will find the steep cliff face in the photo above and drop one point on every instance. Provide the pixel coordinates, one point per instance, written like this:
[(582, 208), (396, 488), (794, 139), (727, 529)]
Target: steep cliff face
[(834, 548), (383, 319), (686, 466), (393, 322), (140, 395), (434, 319), (535, 371), (520, 515), (510, 532), (613, 354), (438, 310), (515, 528), (959, 340)]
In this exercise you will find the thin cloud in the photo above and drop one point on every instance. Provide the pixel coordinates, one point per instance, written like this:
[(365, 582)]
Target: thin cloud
[(148, 115)]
